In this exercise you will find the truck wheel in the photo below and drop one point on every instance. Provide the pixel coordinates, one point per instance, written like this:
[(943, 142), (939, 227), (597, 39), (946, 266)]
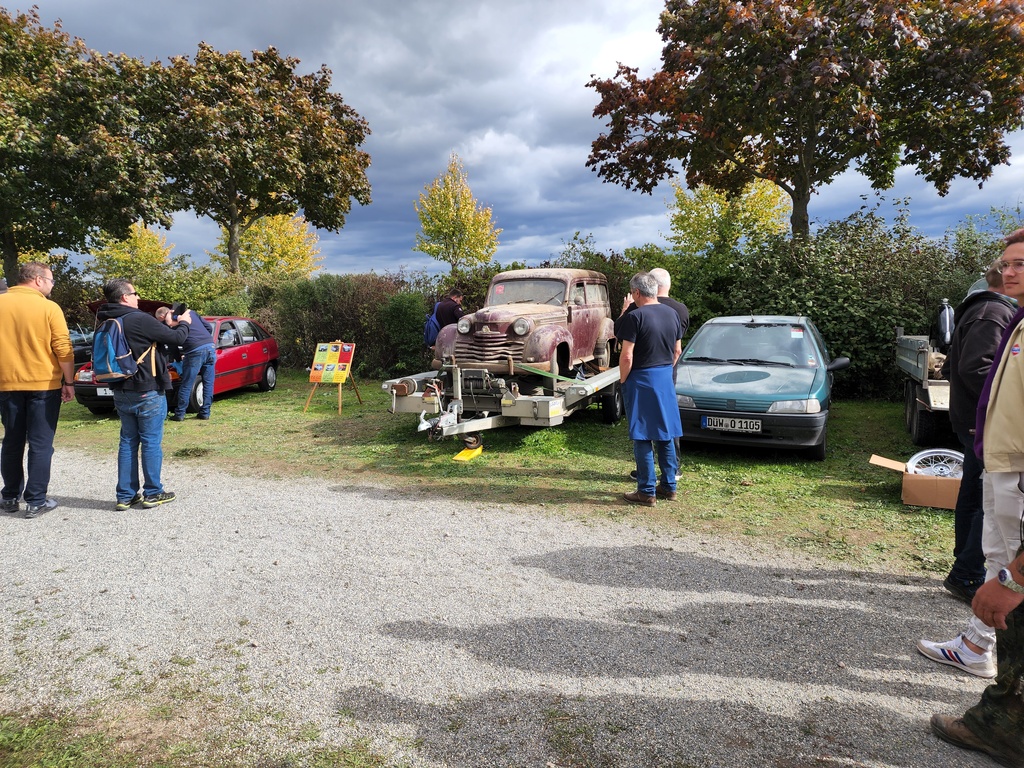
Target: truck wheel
[(555, 373), (924, 427), (612, 407), (909, 404)]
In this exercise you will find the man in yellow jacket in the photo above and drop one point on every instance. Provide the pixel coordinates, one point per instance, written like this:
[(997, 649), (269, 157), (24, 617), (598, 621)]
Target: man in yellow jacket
[(35, 355)]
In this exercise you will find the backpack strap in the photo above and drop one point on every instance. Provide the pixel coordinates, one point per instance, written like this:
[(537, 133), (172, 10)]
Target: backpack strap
[(151, 352)]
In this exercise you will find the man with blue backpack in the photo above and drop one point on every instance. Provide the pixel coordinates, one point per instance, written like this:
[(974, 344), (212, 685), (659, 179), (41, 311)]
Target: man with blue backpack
[(446, 312), (139, 396)]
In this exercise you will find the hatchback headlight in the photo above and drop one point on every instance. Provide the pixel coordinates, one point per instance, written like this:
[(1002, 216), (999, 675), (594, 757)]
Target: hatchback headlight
[(464, 325), (84, 375), (685, 401), (796, 406), (521, 326)]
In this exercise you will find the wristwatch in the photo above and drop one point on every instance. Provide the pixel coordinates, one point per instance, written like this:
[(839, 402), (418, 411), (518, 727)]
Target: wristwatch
[(1006, 579)]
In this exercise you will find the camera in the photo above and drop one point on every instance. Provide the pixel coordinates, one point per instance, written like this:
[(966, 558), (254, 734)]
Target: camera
[(179, 308)]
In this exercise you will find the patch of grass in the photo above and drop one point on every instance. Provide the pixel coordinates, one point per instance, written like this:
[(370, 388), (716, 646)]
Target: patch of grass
[(43, 741)]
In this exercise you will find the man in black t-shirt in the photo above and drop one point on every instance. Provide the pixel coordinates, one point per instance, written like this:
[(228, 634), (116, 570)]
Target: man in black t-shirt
[(650, 337)]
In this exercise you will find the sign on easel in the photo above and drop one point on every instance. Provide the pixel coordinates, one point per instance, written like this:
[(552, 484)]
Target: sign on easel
[(332, 364)]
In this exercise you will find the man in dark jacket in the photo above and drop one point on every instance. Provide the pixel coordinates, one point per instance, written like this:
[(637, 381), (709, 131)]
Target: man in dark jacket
[(198, 358), (979, 323), (449, 310), (141, 401)]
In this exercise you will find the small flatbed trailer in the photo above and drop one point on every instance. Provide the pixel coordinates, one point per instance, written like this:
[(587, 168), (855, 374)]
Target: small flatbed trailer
[(478, 400)]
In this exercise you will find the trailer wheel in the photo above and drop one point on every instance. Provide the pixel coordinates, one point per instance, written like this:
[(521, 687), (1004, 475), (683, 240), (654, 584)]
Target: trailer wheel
[(612, 406), (472, 440)]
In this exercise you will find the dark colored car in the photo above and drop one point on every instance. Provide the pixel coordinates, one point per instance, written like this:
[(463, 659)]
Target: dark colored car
[(246, 355), (81, 340), (757, 380)]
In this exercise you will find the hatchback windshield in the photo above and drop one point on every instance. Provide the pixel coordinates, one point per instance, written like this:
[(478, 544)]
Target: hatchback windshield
[(537, 291), (753, 344)]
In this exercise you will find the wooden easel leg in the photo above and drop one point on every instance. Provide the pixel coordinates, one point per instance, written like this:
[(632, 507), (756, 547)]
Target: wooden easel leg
[(339, 399), (358, 397), (310, 397)]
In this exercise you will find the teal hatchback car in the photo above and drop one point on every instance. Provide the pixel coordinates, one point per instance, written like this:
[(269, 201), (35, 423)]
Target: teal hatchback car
[(758, 380)]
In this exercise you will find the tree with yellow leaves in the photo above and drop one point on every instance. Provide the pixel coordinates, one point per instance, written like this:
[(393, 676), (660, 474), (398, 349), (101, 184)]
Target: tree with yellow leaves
[(280, 247), (455, 228)]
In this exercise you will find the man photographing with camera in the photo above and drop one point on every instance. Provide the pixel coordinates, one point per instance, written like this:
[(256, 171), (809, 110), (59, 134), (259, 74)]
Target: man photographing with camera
[(197, 359)]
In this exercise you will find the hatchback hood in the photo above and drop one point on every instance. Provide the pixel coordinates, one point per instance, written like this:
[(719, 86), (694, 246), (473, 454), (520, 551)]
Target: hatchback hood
[(751, 381)]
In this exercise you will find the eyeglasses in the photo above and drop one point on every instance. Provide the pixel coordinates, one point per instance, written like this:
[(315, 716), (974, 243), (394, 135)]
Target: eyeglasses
[(44, 277), (1017, 265), (133, 293)]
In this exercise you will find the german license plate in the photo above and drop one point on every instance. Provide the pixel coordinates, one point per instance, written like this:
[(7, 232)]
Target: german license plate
[(726, 424), (104, 392)]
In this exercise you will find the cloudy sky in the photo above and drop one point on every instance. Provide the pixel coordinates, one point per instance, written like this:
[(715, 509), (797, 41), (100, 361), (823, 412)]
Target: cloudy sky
[(500, 83)]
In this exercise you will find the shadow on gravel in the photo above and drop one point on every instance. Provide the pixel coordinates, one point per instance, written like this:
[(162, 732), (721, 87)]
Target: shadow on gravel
[(746, 665), (517, 728)]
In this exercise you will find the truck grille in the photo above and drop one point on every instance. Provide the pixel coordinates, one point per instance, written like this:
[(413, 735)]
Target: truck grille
[(489, 348)]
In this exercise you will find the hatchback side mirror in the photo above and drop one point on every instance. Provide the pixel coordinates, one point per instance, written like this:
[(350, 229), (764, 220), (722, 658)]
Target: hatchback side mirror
[(839, 364)]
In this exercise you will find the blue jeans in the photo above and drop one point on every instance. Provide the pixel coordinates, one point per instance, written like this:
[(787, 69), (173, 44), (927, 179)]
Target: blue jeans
[(643, 452), (197, 362), (28, 417), (142, 426), (969, 565)]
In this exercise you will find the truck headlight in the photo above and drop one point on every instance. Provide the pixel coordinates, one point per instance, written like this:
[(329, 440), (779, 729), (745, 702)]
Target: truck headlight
[(795, 406), (685, 401), (464, 325), (521, 326)]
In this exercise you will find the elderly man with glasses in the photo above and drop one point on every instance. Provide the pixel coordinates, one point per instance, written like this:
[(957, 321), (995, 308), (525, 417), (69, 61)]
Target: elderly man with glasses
[(995, 725), (36, 376)]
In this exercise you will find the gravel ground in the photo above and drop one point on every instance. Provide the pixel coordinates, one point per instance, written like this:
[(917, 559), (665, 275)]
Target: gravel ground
[(450, 634)]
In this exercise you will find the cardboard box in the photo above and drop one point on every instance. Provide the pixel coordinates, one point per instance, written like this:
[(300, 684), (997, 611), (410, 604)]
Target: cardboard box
[(922, 490)]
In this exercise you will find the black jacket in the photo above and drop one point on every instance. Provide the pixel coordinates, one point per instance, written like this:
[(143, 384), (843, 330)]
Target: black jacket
[(978, 326), (142, 330)]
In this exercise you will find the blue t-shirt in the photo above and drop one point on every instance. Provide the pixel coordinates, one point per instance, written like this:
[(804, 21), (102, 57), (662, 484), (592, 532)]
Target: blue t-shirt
[(654, 330)]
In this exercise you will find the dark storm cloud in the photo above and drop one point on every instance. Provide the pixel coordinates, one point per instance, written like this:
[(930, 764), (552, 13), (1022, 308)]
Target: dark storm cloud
[(501, 84)]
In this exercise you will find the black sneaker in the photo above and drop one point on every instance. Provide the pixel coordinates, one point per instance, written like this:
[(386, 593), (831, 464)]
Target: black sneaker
[(10, 506), (35, 510), (123, 505), (155, 501), (962, 590)]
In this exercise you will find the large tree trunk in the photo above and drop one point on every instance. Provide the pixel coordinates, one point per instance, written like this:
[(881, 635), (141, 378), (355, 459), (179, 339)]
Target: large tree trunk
[(799, 221)]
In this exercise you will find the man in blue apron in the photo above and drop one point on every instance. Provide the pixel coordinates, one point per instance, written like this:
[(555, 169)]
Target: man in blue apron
[(651, 337)]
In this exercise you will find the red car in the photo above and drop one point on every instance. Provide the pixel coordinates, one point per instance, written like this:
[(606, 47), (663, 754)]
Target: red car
[(246, 355)]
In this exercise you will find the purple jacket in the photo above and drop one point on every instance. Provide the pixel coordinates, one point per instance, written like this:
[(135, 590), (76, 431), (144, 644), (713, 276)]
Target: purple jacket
[(986, 392)]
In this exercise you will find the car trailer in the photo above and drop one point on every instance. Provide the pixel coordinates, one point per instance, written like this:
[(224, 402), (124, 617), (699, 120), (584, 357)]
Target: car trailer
[(478, 400)]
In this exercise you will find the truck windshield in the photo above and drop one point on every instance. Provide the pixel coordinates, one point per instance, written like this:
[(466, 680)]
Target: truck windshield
[(536, 291)]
